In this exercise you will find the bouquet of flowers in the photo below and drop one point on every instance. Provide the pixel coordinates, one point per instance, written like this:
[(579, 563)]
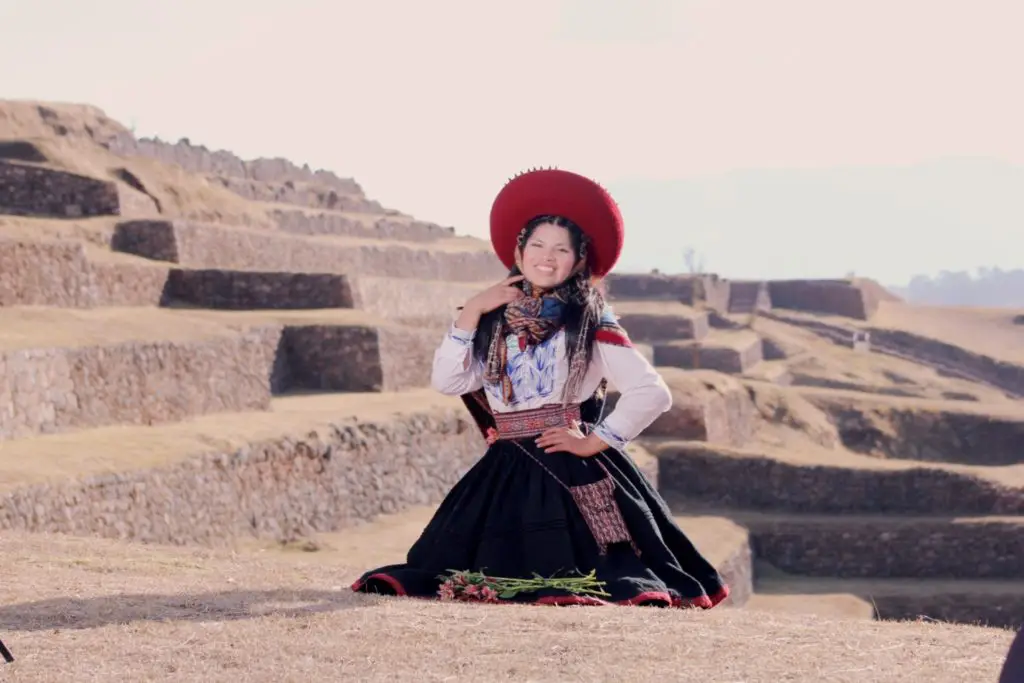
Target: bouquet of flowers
[(477, 586)]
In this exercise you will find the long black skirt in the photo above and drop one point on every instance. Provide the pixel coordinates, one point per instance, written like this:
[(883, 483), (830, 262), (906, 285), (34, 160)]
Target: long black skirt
[(508, 517)]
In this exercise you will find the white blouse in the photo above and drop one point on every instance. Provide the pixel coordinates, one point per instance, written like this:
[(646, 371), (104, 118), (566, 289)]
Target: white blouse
[(539, 373)]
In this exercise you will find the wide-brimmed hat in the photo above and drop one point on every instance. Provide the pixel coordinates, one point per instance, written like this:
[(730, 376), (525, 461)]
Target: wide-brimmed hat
[(554, 192)]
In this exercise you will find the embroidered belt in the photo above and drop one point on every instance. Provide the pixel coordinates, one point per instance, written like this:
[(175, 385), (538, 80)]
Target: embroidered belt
[(521, 424)]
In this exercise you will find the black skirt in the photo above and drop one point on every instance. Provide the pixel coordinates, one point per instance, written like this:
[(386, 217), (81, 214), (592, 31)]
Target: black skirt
[(508, 517)]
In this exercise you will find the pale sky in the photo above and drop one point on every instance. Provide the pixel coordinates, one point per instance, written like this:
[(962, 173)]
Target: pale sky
[(432, 105)]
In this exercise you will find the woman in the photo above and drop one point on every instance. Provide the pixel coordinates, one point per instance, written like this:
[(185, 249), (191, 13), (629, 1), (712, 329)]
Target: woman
[(554, 495)]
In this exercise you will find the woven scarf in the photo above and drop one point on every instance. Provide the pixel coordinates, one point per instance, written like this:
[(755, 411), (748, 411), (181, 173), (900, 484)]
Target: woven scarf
[(533, 319)]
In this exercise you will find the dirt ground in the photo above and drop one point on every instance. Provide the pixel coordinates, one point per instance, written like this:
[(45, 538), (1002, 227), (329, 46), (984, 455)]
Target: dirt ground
[(98, 610)]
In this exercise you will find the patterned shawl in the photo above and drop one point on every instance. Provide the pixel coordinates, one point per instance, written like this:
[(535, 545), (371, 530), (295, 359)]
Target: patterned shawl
[(535, 318)]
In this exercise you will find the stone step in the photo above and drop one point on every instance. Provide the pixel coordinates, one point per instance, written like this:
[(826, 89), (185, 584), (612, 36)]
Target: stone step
[(205, 246), (984, 602), (927, 430), (400, 299), (731, 351), (307, 463), (64, 370), (886, 546), (653, 321), (809, 480)]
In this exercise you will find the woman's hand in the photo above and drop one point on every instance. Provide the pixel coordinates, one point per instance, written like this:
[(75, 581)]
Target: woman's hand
[(570, 440), (496, 295)]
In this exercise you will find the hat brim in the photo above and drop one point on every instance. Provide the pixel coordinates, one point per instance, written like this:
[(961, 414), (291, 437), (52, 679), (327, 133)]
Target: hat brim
[(558, 193)]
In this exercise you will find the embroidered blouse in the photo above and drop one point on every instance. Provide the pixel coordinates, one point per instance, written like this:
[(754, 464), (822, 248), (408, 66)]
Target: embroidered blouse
[(539, 373)]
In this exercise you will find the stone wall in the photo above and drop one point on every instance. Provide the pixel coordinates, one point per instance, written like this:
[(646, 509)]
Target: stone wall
[(38, 191), (279, 488), (684, 288), (835, 297), (987, 608), (403, 300), (735, 359), (705, 407), (212, 246), (351, 358), (302, 194), (411, 302), (53, 390), (747, 297), (918, 548), (649, 327), (245, 290), (45, 273), (57, 390), (305, 223), (895, 431), (698, 473)]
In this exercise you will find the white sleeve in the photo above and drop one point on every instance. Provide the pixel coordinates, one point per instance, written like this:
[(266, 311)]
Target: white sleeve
[(455, 371), (643, 394)]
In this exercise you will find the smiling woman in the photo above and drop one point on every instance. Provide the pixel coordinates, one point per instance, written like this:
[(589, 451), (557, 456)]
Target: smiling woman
[(555, 512)]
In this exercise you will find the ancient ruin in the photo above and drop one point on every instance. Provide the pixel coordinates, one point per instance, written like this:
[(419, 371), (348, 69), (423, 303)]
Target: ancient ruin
[(197, 349)]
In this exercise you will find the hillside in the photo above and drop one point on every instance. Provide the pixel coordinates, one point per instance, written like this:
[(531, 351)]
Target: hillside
[(213, 378)]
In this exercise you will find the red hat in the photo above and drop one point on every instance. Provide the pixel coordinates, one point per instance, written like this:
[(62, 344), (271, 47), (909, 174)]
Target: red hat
[(540, 192)]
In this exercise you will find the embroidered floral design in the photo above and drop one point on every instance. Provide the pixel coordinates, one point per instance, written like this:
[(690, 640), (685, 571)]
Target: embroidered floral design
[(533, 372)]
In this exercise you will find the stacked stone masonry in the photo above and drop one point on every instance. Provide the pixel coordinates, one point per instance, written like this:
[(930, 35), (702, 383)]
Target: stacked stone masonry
[(719, 413), (46, 391), (884, 547), (41, 273), (27, 190), (925, 435), (836, 297), (690, 290), (280, 488), (336, 358), (403, 300), (733, 359), (212, 246), (645, 327), (245, 290), (747, 297), (324, 223), (989, 608), (697, 473), (57, 390)]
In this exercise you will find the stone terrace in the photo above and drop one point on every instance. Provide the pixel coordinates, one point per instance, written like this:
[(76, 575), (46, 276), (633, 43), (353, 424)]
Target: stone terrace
[(176, 380), (910, 537)]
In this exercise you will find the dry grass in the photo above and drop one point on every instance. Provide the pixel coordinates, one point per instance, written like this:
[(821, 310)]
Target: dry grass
[(988, 331), (98, 610)]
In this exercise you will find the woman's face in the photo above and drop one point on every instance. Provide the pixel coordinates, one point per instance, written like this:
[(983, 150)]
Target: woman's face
[(548, 256)]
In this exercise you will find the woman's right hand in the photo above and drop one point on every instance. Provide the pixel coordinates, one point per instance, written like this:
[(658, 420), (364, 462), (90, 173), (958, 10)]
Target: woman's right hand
[(495, 296)]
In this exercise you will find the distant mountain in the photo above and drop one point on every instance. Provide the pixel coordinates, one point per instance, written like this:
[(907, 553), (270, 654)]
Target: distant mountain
[(990, 287)]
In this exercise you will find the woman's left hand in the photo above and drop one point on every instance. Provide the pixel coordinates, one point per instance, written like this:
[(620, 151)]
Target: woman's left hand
[(570, 440)]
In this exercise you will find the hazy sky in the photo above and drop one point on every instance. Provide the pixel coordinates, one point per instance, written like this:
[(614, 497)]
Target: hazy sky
[(432, 105)]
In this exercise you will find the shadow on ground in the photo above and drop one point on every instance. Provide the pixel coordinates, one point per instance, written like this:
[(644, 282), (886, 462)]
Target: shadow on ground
[(234, 605)]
